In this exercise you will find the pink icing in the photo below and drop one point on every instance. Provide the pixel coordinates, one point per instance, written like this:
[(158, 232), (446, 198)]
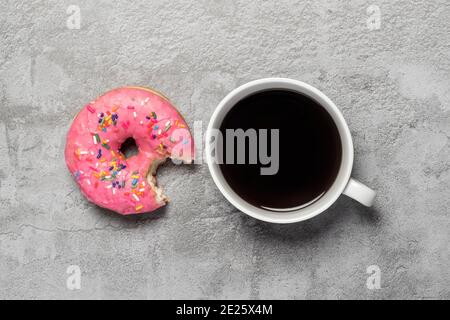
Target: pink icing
[(92, 153)]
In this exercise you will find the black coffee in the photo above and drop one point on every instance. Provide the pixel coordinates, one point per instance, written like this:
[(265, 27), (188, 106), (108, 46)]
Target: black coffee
[(309, 150)]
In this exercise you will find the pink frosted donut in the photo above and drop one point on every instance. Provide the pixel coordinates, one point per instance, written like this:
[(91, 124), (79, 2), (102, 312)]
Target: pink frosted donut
[(105, 176)]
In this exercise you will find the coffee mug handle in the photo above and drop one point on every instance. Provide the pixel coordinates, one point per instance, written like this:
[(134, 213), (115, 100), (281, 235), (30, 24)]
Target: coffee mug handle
[(360, 192)]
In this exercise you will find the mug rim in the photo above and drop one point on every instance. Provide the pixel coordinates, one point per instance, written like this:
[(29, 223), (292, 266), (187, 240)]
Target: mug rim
[(341, 180)]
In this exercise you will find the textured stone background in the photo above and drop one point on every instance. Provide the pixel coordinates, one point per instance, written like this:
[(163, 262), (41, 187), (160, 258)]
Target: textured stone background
[(392, 85)]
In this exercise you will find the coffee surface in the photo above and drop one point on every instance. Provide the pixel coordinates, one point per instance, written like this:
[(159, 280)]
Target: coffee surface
[(310, 150)]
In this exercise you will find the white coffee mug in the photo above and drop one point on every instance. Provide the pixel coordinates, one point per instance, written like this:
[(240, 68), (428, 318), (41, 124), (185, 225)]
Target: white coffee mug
[(343, 183)]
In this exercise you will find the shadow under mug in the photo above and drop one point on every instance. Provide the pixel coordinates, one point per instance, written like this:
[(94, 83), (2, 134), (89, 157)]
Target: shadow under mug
[(343, 183)]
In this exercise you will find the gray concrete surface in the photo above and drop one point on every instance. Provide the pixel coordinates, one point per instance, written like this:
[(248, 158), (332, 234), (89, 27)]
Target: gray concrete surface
[(392, 85)]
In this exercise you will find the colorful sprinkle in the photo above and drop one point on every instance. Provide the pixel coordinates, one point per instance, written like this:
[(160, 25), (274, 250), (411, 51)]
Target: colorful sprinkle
[(168, 125), (91, 109), (107, 120), (139, 207), (96, 138)]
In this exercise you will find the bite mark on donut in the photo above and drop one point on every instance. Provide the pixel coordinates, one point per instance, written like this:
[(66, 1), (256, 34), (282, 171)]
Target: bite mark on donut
[(152, 182)]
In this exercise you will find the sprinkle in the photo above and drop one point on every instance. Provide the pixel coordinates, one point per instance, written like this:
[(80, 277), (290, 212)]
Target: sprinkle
[(171, 139), (90, 108), (96, 138), (141, 123), (106, 146), (109, 187), (179, 125), (130, 107), (99, 155), (88, 182), (139, 207), (153, 114), (115, 108), (124, 125), (168, 125), (84, 152), (135, 114), (146, 99), (135, 197)]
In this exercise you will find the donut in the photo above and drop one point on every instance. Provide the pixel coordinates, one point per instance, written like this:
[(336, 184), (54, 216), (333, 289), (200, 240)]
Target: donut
[(105, 176)]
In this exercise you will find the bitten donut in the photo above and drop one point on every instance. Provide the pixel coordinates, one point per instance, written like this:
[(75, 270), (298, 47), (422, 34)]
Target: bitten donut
[(105, 176)]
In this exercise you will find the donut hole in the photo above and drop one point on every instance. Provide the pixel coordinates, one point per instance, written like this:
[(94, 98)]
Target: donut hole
[(129, 148)]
